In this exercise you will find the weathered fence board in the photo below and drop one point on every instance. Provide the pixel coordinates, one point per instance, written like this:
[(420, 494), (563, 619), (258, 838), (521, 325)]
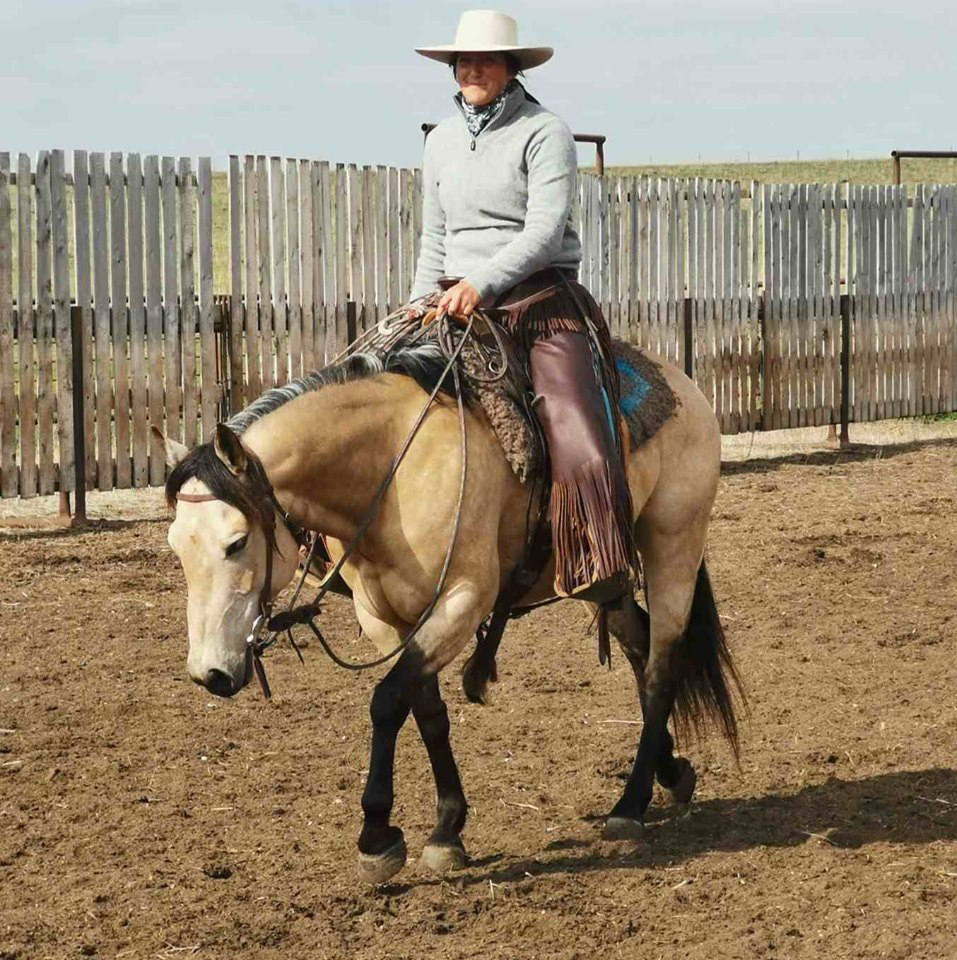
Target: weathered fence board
[(27, 327), (278, 236), (8, 401), (188, 318), (120, 322), (208, 346), (46, 396), (101, 324), (250, 238), (172, 340), (266, 305), (84, 299), (154, 315), (62, 319)]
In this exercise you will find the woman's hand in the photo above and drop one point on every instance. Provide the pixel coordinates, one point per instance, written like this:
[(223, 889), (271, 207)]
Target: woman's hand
[(460, 300)]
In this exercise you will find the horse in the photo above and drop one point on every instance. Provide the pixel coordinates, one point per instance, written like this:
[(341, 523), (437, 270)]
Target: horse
[(314, 453)]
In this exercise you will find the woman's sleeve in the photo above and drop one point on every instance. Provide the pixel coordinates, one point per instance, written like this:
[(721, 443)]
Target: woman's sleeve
[(431, 263), (552, 163)]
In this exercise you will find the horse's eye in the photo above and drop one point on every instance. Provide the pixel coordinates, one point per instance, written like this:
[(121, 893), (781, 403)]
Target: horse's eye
[(236, 545)]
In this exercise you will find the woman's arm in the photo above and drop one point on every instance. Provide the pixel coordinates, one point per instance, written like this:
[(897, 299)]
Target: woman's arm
[(431, 263), (552, 178)]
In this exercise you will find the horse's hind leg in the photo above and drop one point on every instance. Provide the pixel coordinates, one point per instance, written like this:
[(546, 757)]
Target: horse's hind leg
[(444, 850), (631, 627), (671, 564)]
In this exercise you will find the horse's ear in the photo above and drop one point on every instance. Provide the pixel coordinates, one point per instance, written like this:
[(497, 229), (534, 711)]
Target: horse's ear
[(229, 449), (175, 451)]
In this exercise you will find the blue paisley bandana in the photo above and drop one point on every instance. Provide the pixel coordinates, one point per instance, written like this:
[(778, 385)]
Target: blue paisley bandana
[(477, 118)]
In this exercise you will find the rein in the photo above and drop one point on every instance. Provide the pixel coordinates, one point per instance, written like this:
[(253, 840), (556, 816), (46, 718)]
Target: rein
[(267, 627)]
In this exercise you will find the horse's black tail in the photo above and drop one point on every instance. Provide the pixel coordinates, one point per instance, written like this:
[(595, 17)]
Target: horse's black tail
[(708, 683)]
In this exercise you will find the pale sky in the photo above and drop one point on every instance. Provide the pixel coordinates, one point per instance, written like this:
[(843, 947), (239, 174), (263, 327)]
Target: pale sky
[(666, 82)]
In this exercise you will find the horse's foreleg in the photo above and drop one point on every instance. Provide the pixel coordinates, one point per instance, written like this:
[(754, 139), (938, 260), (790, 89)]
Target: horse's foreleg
[(412, 684), (382, 850), (444, 850)]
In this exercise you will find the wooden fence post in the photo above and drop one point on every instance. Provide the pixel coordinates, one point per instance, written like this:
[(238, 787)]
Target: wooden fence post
[(79, 437), (689, 336), (765, 362), (845, 366)]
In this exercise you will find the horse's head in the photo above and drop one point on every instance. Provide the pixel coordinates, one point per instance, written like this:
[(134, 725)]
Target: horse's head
[(224, 528)]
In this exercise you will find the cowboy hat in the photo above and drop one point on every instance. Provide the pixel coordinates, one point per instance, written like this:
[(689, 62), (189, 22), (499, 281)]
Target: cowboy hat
[(487, 31)]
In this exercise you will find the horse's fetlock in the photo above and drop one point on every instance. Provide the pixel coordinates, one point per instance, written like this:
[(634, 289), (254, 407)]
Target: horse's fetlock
[(375, 839), (452, 813)]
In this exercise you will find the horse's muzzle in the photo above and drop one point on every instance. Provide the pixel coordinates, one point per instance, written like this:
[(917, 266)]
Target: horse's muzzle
[(222, 684)]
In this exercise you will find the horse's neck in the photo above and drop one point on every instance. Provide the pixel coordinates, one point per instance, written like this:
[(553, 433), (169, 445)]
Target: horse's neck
[(326, 452)]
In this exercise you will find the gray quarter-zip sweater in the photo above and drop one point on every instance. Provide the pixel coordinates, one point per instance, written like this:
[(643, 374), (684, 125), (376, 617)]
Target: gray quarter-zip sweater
[(497, 207)]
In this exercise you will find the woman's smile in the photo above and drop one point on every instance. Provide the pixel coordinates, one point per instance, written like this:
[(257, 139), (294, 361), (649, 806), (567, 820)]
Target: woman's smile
[(481, 76)]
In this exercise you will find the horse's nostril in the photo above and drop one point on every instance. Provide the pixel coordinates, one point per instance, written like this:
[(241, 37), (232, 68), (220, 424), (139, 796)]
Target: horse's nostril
[(219, 683)]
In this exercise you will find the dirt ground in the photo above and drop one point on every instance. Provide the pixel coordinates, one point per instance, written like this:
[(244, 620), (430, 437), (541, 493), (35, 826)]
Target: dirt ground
[(139, 817)]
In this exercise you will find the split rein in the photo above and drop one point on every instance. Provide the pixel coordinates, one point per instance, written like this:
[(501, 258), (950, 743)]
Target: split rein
[(268, 627)]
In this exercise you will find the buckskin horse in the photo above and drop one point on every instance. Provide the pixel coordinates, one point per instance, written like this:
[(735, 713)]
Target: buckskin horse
[(313, 454)]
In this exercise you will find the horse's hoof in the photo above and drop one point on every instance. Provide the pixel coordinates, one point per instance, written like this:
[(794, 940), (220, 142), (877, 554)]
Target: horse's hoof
[(442, 858), (622, 828), (382, 867), (683, 791)]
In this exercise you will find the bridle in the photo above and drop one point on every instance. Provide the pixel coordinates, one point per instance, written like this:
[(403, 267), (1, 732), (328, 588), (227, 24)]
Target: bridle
[(268, 626), (268, 508)]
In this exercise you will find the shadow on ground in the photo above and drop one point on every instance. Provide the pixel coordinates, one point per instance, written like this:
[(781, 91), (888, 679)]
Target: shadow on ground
[(911, 807), (855, 453)]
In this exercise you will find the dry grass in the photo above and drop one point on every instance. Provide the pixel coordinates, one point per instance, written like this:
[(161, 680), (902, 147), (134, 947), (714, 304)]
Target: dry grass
[(869, 172)]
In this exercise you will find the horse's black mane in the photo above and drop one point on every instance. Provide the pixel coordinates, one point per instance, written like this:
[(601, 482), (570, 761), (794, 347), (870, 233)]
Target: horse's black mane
[(423, 362)]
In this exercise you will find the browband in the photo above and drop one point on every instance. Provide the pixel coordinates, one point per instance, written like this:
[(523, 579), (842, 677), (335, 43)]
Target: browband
[(196, 497)]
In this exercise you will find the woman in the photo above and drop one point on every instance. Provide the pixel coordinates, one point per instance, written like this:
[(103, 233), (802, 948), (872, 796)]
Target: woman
[(499, 181)]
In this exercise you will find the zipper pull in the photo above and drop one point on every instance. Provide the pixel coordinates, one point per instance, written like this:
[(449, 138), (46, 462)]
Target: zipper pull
[(472, 147)]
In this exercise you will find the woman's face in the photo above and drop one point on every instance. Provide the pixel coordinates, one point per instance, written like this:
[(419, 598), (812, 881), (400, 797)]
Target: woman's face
[(481, 76)]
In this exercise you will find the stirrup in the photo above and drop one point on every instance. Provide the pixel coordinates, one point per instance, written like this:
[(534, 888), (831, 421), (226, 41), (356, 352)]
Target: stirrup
[(603, 591)]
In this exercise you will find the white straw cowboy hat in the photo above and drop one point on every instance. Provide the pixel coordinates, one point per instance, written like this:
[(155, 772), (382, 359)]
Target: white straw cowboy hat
[(487, 31)]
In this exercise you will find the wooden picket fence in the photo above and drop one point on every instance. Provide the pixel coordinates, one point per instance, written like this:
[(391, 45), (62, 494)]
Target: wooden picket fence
[(306, 239), (751, 289), (790, 304)]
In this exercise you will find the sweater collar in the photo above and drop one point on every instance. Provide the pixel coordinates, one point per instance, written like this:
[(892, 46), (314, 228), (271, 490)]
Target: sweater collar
[(496, 113)]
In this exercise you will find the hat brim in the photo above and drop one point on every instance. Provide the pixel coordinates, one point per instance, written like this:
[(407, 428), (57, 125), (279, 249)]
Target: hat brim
[(527, 57)]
